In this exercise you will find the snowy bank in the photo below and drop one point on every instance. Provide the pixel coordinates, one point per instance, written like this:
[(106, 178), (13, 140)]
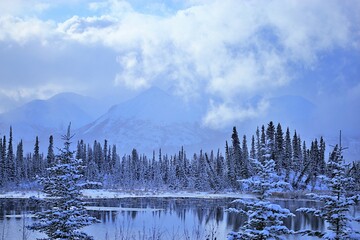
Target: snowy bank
[(108, 194)]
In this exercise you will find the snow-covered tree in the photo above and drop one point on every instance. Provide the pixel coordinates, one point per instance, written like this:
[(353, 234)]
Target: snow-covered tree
[(239, 166), (265, 219), (10, 163), (36, 159), (66, 213), (50, 155), (287, 155), (270, 136), (279, 148), (336, 205), (20, 165)]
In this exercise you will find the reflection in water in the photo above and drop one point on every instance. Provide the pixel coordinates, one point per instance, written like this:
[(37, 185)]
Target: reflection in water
[(154, 218)]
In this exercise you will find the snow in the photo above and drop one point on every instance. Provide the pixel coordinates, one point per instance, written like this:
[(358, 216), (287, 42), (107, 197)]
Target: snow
[(153, 120), (22, 194), (108, 194)]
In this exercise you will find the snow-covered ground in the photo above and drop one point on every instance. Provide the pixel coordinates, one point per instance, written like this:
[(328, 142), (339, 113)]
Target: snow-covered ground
[(108, 194)]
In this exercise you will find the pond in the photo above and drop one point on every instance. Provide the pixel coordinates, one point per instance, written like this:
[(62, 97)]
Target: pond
[(154, 218)]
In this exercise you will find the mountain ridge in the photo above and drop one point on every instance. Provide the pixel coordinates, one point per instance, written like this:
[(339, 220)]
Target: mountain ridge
[(153, 119)]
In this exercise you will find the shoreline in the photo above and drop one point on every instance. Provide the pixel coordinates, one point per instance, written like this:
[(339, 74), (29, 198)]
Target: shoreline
[(118, 194)]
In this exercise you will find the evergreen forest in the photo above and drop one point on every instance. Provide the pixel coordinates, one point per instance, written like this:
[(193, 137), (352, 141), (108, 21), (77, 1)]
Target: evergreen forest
[(297, 162)]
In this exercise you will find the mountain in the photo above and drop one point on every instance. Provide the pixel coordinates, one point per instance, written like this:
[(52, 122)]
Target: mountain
[(49, 117), (153, 120)]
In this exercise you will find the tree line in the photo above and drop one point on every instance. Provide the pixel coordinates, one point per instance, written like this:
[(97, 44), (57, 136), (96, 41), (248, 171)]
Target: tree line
[(297, 162)]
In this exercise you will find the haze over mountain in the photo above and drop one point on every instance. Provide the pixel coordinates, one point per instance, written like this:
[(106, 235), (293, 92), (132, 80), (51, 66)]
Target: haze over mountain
[(154, 119), (52, 116)]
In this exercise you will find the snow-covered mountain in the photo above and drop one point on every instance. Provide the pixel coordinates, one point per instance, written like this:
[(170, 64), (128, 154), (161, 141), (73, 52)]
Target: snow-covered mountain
[(54, 113), (153, 120), (49, 117)]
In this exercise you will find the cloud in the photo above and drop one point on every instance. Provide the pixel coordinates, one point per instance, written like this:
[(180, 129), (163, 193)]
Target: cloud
[(28, 93), (16, 7), (229, 50), (220, 115), (25, 30)]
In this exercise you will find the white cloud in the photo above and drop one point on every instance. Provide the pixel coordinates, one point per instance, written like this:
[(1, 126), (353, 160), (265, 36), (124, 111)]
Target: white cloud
[(130, 77), (17, 7), (221, 115), (24, 30), (36, 92), (306, 27), (227, 49)]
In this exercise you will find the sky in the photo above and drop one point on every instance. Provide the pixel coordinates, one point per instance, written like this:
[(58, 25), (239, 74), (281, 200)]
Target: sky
[(232, 55)]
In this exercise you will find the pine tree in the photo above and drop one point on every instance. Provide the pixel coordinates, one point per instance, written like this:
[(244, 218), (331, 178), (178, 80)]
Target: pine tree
[(135, 165), (337, 205), (252, 149), (10, 161), (2, 164), (114, 159), (287, 155), (296, 164), (321, 158), (66, 213), (258, 144), (92, 170), (106, 163), (279, 148), (219, 168), (201, 174), (265, 219), (36, 158), (20, 165), (262, 144), (270, 136), (230, 165), (245, 158), (239, 166), (50, 158), (304, 169)]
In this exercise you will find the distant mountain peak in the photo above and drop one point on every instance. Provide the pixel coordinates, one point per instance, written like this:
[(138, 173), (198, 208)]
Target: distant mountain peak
[(154, 91), (65, 95), (157, 106)]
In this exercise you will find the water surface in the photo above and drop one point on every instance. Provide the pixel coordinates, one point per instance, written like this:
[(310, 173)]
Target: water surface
[(154, 218)]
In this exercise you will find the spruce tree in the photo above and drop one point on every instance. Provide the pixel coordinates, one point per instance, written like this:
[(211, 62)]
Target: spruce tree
[(270, 136), (258, 144), (287, 155), (265, 219), (114, 159), (219, 168), (279, 148), (230, 165), (321, 158), (245, 159), (335, 210), (2, 164), (262, 144), (252, 149), (66, 213), (20, 165), (50, 158), (36, 158), (10, 161), (237, 155)]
